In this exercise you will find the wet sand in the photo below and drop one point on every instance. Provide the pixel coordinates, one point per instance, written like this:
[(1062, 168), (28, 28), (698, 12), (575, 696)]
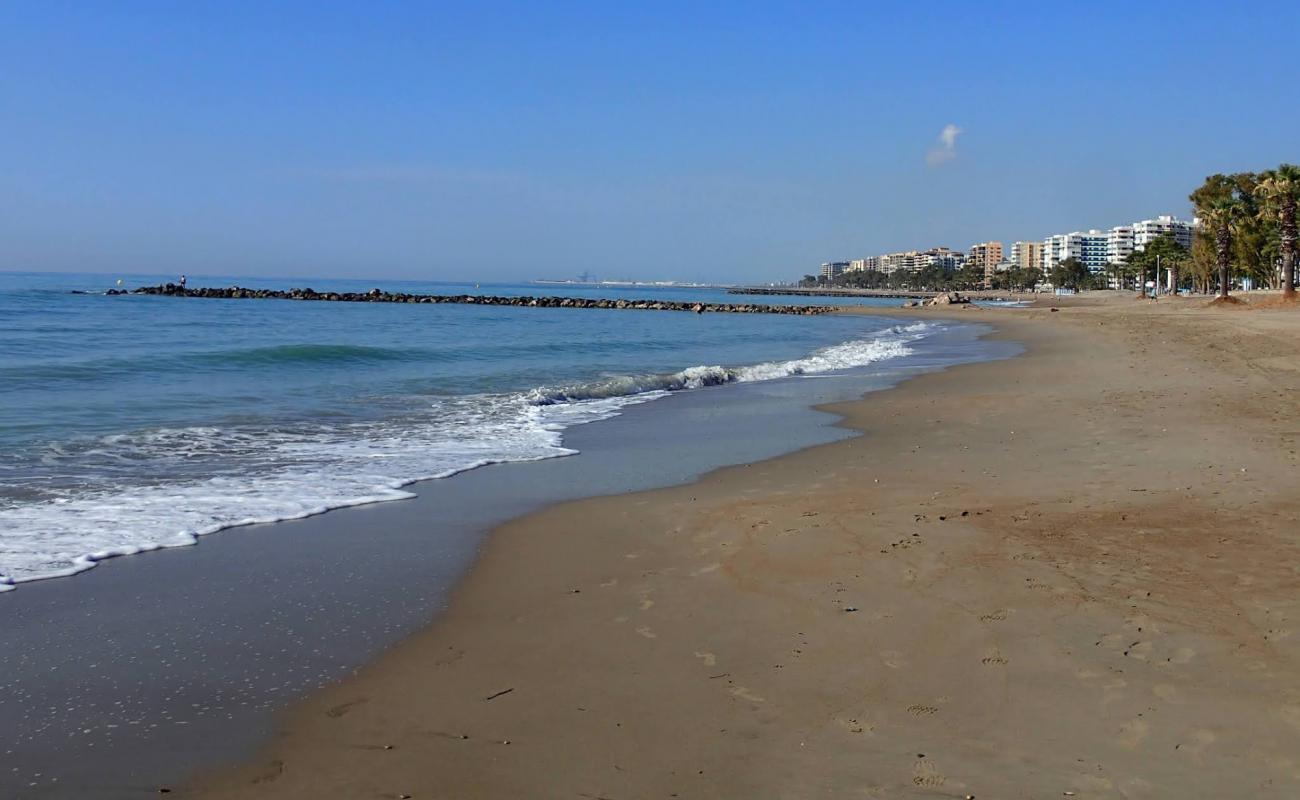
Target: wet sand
[(1076, 571)]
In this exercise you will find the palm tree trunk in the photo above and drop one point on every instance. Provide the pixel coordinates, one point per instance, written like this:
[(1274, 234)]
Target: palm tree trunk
[(1288, 236), (1223, 250)]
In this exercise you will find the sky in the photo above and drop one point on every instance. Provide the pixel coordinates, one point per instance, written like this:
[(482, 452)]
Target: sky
[(486, 141)]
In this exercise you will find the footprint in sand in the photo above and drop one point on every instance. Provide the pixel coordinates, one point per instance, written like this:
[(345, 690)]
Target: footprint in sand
[(745, 694), (343, 708), (1132, 733), (645, 631), (272, 772), (1291, 714), (609, 583), (1165, 692), (995, 616), (646, 604), (994, 659), (1200, 739), (706, 570), (922, 710), (709, 659), (857, 726), (1183, 655), (1141, 651), (925, 773), (893, 659)]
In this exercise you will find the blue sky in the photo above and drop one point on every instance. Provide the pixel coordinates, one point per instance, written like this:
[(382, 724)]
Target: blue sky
[(503, 141)]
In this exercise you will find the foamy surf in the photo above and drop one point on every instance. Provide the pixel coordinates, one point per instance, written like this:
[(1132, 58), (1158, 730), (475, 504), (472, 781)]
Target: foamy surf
[(891, 343), (269, 474)]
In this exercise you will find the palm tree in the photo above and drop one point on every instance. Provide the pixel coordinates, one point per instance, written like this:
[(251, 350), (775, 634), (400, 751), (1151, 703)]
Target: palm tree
[(1224, 215), (1218, 202), (1279, 190), (1137, 262)]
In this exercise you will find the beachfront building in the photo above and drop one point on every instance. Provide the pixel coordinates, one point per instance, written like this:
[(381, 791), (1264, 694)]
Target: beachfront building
[(1053, 252), (833, 269), (906, 261), (1122, 240), (909, 261), (985, 257), (868, 264), (1148, 230), (1027, 255), (943, 258), (1087, 247), (1119, 244)]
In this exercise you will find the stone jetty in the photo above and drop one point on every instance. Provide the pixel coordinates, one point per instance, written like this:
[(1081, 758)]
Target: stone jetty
[(378, 296)]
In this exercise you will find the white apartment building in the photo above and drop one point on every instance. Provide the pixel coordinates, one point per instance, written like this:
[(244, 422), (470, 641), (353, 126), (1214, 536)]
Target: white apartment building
[(1119, 244), (833, 269), (908, 261), (1088, 247), (1148, 230), (944, 258), (1053, 252), (1122, 240), (868, 264)]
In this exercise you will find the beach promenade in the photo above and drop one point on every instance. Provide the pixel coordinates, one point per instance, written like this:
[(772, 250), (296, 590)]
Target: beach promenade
[(1071, 573)]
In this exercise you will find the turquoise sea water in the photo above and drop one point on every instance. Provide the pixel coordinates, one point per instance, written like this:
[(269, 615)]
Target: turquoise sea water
[(132, 423)]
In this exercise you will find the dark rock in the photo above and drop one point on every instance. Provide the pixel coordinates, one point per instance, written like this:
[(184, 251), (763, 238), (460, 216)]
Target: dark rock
[(379, 296)]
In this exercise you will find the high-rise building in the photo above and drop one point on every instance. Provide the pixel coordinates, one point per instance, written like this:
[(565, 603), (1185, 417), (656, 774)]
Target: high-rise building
[(909, 261), (1054, 252), (868, 264), (1027, 255), (1148, 230), (944, 258), (1119, 244), (833, 269), (985, 257), (1088, 247)]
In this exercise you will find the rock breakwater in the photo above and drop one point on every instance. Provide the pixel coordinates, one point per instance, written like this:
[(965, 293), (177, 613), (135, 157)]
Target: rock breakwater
[(378, 296)]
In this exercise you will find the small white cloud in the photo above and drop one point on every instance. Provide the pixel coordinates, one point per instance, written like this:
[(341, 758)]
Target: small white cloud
[(946, 150)]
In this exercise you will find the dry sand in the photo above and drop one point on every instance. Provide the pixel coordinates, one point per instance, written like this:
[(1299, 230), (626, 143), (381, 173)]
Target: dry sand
[(1077, 571)]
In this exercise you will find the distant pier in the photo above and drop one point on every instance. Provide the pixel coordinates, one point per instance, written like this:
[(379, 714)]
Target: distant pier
[(378, 296)]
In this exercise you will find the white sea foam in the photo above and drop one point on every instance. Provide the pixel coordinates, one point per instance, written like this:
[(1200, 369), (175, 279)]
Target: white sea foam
[(295, 472), (891, 343)]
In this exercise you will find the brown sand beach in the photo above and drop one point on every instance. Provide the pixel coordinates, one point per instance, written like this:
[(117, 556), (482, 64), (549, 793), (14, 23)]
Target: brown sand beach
[(1072, 573)]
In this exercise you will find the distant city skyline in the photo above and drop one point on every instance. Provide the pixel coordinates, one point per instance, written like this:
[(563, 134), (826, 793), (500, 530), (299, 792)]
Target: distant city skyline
[(503, 142)]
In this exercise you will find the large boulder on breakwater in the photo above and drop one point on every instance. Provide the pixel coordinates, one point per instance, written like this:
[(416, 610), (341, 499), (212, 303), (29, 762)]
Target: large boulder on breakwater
[(947, 299)]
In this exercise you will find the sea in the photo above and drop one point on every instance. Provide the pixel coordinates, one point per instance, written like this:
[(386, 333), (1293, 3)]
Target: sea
[(135, 423)]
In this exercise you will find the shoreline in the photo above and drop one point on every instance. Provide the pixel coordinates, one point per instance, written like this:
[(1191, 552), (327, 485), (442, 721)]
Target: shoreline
[(162, 531), (247, 606), (716, 639)]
